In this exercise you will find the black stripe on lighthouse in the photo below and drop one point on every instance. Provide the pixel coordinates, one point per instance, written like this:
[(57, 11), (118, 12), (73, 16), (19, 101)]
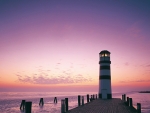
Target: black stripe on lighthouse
[(104, 67), (105, 77), (105, 62)]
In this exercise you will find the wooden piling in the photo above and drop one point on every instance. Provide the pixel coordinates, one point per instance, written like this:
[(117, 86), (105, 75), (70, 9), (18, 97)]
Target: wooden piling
[(127, 101), (138, 107), (130, 102), (22, 105), (28, 107), (87, 98), (79, 103), (63, 106), (55, 99), (93, 97), (96, 96), (82, 100), (66, 103), (124, 97), (41, 103)]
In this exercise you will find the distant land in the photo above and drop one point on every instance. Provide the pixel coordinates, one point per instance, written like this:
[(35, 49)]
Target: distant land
[(144, 91)]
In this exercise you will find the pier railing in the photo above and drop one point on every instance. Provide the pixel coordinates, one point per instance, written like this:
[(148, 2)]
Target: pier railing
[(128, 101)]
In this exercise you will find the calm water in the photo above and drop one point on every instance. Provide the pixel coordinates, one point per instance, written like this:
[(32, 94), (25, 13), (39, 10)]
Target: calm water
[(10, 101)]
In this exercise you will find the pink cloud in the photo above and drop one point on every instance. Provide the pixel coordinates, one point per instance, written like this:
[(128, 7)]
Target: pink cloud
[(131, 81), (45, 77)]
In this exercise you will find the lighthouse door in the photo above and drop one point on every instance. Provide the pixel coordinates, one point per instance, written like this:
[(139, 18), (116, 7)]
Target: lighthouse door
[(104, 93)]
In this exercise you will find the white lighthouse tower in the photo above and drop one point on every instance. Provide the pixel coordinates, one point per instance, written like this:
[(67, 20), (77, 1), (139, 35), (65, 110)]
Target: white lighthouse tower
[(104, 75)]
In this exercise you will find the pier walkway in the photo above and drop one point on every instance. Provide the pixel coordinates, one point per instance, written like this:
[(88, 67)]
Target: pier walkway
[(114, 105)]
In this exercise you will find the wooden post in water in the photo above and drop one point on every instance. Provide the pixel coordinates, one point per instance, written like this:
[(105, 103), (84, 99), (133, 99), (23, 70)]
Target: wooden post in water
[(66, 103), (22, 105), (87, 98), (138, 107), (127, 101), (93, 97), (96, 96), (82, 100), (124, 97), (28, 106), (41, 103), (63, 107), (79, 103), (130, 102), (55, 99)]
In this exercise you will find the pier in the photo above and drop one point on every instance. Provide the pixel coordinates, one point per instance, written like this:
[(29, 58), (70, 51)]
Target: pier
[(114, 105), (91, 105)]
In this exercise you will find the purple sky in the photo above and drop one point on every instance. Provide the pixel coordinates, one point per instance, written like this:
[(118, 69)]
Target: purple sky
[(51, 42)]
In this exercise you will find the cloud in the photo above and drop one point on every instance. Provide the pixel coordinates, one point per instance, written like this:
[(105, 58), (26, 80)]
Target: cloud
[(144, 65), (133, 81), (46, 79), (126, 64), (148, 65), (53, 76)]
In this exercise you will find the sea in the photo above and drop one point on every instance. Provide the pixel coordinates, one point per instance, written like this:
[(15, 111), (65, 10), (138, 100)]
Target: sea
[(10, 101)]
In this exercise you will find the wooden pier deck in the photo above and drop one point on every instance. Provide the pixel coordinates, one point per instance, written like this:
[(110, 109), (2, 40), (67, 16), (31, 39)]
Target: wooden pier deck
[(114, 105)]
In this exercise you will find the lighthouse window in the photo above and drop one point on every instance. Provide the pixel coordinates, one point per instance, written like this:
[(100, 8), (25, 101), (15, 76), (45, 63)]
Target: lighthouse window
[(102, 55), (107, 55)]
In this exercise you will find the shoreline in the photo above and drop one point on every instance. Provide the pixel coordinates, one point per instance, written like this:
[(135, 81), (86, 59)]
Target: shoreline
[(144, 91)]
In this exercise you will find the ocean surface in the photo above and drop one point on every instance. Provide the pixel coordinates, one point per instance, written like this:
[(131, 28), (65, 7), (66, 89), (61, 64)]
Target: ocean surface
[(10, 101)]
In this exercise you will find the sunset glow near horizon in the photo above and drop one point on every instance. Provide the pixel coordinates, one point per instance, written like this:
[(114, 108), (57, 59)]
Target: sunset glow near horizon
[(54, 45)]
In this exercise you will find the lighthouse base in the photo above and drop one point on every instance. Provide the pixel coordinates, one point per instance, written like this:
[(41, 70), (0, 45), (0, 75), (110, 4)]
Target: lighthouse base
[(109, 96)]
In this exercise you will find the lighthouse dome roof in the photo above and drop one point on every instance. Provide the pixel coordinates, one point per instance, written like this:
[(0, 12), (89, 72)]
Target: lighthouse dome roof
[(104, 51)]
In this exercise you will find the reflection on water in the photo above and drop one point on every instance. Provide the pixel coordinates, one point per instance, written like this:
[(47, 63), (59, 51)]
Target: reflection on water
[(10, 101)]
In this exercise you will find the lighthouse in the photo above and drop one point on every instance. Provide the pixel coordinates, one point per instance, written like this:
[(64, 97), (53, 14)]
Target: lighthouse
[(104, 75)]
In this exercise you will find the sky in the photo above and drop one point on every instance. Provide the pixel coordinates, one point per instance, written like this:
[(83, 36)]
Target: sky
[(54, 45)]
